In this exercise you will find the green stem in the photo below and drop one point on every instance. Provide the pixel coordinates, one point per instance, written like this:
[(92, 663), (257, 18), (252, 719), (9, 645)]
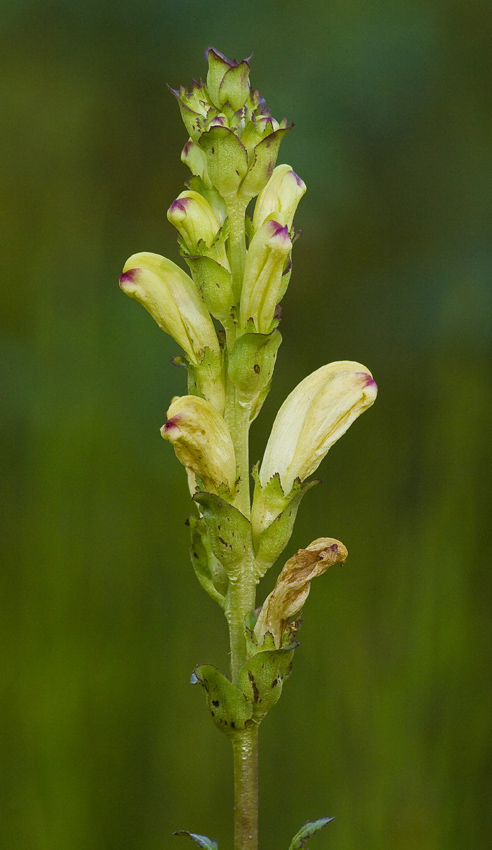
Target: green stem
[(242, 587), (245, 749), (237, 244)]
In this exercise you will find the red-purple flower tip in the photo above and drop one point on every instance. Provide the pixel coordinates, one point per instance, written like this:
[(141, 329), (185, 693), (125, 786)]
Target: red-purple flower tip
[(368, 381), (279, 231), (298, 179), (179, 205), (127, 280), (171, 424)]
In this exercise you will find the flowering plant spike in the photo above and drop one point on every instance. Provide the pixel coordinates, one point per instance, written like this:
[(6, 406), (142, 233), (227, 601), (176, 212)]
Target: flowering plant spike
[(239, 266)]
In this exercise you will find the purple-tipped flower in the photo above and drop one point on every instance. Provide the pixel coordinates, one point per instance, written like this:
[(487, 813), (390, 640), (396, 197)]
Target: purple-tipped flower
[(171, 298), (264, 284), (202, 441), (281, 194), (196, 222), (313, 417)]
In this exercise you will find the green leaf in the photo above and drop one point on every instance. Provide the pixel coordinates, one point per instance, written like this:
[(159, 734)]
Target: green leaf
[(228, 529), (227, 160), (214, 284), (230, 709), (252, 362), (262, 677), (208, 570), (272, 541), (201, 840), (307, 832)]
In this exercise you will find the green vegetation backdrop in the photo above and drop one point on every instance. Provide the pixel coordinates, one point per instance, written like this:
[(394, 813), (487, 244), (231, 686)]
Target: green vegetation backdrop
[(386, 722)]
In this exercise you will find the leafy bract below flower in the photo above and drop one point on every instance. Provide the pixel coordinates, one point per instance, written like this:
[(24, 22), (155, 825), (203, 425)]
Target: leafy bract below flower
[(202, 441), (171, 298), (313, 417), (293, 585), (281, 194)]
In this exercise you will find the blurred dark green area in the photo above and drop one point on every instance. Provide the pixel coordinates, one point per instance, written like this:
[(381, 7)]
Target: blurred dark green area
[(386, 720)]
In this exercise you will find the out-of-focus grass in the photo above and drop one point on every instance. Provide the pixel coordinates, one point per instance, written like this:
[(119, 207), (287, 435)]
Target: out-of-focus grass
[(386, 720)]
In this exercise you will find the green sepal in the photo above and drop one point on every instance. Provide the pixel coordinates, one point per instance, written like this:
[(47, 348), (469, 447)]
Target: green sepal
[(271, 542), (228, 530), (307, 832), (234, 88), (208, 569), (227, 160), (266, 153), (251, 365), (201, 840), (262, 677), (207, 379), (214, 283), (230, 709)]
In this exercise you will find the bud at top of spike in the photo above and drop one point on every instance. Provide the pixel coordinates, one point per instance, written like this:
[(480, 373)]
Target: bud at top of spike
[(313, 417), (241, 157), (202, 441), (171, 298), (281, 194), (227, 82)]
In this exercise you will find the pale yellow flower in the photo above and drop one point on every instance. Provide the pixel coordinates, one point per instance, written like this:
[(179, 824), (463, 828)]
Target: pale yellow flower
[(202, 441)]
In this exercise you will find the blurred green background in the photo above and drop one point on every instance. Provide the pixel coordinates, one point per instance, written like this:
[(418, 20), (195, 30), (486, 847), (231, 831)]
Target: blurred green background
[(386, 720)]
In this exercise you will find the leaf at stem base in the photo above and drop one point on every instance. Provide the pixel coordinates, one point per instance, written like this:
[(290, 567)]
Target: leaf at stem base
[(306, 832), (201, 840)]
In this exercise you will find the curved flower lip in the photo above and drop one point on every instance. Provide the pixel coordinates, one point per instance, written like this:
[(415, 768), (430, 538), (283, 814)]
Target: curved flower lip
[(171, 298), (313, 417), (299, 181)]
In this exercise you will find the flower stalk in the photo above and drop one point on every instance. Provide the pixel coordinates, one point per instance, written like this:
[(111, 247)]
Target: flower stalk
[(240, 269)]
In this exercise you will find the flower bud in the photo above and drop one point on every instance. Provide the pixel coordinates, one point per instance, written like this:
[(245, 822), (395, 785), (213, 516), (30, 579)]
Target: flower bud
[(227, 82), (202, 441), (171, 298), (293, 585), (281, 194), (313, 417), (263, 286), (195, 221)]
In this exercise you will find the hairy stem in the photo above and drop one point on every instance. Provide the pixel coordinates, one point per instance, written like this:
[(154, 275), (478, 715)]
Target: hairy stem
[(237, 244), (245, 749), (242, 587)]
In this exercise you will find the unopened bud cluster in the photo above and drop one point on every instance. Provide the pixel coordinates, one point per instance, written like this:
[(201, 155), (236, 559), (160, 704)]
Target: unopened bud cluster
[(239, 269)]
